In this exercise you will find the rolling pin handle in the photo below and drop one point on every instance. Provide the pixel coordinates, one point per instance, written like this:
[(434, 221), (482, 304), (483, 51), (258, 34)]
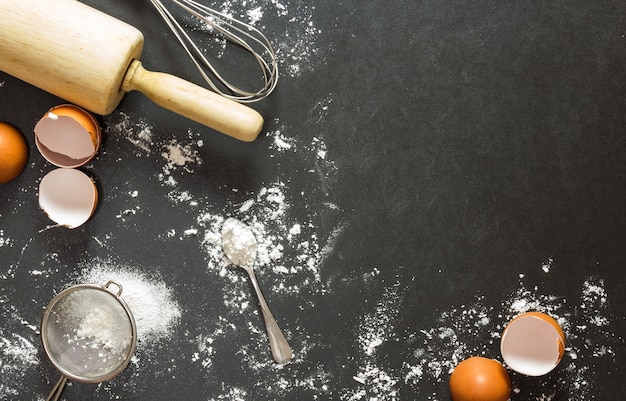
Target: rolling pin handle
[(194, 102)]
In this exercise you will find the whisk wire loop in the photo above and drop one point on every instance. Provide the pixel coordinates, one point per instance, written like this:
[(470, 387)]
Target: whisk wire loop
[(244, 35)]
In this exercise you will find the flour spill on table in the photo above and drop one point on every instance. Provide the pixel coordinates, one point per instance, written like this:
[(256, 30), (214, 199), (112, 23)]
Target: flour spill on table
[(19, 337), (135, 131), (19, 350), (375, 381), (4, 241), (289, 257), (296, 47), (474, 330), (291, 247), (179, 156)]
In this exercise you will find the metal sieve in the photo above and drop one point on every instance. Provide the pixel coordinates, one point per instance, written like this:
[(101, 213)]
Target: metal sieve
[(88, 333)]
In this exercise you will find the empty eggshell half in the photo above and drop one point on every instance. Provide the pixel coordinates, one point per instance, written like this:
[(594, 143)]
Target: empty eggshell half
[(68, 196), (532, 344), (68, 136)]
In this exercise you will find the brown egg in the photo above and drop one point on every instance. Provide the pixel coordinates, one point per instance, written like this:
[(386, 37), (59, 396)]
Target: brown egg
[(13, 152), (480, 379)]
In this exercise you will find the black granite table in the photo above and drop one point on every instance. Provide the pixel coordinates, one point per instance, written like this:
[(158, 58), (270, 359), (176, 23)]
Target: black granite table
[(427, 171)]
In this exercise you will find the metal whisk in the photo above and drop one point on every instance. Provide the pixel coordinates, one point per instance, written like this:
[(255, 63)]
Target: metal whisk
[(238, 32)]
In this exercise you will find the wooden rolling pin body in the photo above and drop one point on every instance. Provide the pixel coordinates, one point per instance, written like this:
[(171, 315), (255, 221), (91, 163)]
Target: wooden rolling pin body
[(85, 57)]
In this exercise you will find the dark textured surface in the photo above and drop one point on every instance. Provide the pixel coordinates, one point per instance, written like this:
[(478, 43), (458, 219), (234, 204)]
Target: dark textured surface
[(467, 144)]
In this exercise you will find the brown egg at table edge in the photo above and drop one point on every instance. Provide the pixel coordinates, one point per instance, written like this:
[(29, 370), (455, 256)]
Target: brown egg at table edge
[(13, 152)]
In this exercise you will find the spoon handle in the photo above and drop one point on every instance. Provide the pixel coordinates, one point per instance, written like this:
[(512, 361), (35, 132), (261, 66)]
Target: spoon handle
[(281, 352)]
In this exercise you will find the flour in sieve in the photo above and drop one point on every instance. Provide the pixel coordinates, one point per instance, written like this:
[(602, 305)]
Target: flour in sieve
[(150, 300), (101, 327)]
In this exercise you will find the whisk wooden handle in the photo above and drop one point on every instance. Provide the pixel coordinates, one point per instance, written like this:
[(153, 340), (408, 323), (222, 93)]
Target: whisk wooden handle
[(194, 102)]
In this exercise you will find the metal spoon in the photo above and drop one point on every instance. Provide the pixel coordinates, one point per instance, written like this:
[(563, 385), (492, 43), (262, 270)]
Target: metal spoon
[(240, 246)]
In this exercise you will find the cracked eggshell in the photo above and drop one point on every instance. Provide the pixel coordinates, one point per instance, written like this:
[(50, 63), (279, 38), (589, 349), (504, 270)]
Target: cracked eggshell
[(68, 196), (532, 344), (68, 136)]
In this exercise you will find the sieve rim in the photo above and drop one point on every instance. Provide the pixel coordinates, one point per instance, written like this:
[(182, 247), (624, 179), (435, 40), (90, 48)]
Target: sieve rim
[(117, 297)]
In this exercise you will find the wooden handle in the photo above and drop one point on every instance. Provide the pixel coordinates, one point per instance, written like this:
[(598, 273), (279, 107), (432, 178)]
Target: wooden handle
[(194, 102)]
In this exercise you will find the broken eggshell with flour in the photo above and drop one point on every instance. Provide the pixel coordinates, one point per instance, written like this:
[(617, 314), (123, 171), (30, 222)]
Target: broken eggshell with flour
[(68, 136), (533, 344), (68, 196)]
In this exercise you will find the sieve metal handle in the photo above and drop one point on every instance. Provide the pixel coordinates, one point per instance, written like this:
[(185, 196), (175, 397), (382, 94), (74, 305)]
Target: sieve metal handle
[(119, 287), (57, 389)]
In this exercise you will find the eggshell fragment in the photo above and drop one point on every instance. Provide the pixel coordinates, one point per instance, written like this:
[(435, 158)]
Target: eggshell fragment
[(68, 136), (532, 344), (68, 196)]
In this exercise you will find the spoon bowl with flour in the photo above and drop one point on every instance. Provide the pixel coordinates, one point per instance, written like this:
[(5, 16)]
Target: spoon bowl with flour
[(240, 246)]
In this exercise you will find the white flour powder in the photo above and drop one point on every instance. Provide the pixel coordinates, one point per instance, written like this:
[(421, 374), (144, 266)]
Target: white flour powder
[(296, 48), (475, 329), (4, 241), (136, 132), (290, 251), (150, 300), (19, 351), (100, 326), (238, 242), (374, 380), (289, 258), (178, 156), (17, 355), (290, 247)]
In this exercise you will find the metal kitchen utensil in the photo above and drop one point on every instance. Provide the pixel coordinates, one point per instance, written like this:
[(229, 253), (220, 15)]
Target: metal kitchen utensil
[(240, 245), (233, 30), (88, 333)]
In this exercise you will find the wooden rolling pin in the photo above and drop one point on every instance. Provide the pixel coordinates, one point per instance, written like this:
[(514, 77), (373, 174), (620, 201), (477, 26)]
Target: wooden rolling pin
[(92, 59)]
